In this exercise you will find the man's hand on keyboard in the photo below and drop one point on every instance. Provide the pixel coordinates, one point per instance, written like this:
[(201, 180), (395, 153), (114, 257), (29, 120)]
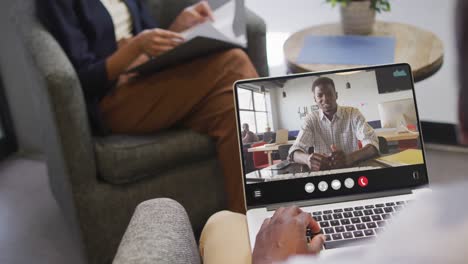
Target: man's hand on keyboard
[(284, 235)]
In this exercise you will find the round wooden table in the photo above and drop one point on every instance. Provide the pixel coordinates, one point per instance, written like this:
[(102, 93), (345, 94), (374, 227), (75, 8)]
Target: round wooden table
[(421, 49)]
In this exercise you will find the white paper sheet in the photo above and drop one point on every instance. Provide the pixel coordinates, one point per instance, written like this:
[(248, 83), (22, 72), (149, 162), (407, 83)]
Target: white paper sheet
[(221, 28)]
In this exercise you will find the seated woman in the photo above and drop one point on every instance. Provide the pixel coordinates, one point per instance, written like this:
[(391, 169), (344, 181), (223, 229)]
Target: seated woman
[(103, 38)]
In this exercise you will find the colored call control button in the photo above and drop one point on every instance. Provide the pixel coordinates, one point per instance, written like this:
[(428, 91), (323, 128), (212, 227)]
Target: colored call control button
[(363, 181)]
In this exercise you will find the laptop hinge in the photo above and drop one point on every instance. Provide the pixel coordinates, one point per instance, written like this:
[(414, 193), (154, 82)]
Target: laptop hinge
[(341, 199)]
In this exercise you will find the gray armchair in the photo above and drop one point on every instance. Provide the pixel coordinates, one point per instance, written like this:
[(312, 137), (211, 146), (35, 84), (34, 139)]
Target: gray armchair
[(98, 181), (159, 232)]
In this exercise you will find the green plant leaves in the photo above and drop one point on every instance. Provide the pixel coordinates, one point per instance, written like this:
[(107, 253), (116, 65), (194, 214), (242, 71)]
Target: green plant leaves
[(377, 5)]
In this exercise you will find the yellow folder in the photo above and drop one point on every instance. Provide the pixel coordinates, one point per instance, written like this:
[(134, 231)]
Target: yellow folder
[(406, 157)]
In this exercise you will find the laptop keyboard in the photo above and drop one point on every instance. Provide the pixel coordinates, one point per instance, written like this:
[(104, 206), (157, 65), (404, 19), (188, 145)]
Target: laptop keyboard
[(345, 226)]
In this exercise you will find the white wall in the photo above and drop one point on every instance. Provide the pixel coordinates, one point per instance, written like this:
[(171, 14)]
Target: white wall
[(275, 95), (363, 95)]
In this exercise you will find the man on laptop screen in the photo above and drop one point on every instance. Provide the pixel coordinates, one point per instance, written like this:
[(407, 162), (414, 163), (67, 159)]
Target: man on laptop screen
[(334, 121), (334, 132)]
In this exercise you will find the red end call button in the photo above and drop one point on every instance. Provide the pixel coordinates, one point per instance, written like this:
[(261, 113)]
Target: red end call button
[(363, 181)]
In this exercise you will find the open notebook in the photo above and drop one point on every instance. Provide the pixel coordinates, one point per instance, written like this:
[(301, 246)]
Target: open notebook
[(228, 30)]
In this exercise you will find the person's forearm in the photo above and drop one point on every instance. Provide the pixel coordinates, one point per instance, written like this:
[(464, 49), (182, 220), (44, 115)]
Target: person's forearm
[(300, 157), (119, 61), (367, 152)]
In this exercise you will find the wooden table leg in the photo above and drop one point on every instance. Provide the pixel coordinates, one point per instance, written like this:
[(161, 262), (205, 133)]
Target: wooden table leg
[(270, 161)]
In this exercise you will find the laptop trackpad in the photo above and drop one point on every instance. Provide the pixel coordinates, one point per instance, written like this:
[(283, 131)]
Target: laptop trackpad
[(351, 251)]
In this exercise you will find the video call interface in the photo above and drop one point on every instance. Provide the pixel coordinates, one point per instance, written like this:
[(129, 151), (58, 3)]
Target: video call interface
[(308, 126)]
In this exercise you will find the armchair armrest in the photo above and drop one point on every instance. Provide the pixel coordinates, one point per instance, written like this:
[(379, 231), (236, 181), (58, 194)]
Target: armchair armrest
[(256, 39), (159, 232)]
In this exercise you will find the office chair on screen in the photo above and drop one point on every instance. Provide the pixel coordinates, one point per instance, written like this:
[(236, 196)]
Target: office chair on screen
[(284, 151), (260, 158)]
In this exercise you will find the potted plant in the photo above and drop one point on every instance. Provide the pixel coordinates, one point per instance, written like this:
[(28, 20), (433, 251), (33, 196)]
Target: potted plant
[(358, 16)]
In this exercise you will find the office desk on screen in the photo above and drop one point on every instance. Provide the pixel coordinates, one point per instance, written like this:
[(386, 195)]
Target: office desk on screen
[(268, 150), (298, 170), (395, 136)]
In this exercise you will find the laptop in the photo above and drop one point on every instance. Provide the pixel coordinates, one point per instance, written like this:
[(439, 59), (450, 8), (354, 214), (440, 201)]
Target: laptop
[(352, 204), (280, 139)]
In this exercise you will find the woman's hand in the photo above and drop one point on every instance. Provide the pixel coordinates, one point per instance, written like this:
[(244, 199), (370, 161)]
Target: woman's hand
[(135, 50), (156, 41), (127, 77), (191, 16)]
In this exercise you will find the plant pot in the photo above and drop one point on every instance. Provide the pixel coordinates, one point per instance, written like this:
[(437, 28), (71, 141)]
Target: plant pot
[(357, 18)]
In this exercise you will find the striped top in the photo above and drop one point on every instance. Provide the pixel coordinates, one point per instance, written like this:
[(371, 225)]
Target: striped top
[(121, 18), (347, 127)]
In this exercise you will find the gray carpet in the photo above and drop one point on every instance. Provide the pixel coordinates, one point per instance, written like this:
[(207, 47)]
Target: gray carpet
[(32, 229)]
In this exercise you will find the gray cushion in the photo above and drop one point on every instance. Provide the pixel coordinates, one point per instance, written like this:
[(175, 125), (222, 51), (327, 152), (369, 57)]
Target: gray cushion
[(125, 159), (159, 232)]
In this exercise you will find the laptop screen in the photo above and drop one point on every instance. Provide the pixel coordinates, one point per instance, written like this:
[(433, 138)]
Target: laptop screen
[(327, 134)]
